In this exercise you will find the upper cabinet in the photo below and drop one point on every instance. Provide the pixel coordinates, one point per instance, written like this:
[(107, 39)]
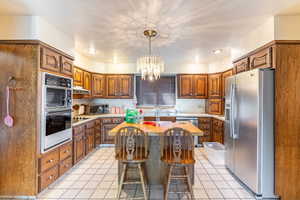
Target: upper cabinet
[(87, 82), (215, 85), (77, 77), (66, 66), (263, 57), (225, 75), (192, 86), (119, 86), (98, 85), (55, 62)]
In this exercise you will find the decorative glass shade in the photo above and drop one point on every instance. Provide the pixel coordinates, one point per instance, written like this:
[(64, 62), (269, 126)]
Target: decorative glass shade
[(150, 67)]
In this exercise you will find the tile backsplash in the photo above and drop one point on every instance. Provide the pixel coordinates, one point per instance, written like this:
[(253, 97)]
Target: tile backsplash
[(182, 105)]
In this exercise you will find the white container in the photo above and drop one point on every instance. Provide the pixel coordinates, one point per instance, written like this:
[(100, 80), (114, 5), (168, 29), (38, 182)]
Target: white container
[(215, 152)]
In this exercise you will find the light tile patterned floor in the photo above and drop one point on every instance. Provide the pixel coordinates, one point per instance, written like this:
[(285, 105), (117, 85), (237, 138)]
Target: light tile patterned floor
[(95, 178)]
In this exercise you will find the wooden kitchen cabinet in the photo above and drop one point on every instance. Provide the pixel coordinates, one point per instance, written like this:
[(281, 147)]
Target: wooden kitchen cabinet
[(192, 86), (218, 131), (66, 66), (151, 118), (48, 177), (89, 137), (214, 106), (98, 85), (78, 143), (261, 59), (50, 60), (119, 86), (215, 85), (97, 132), (225, 75), (204, 124), (87, 82), (200, 86), (185, 86), (106, 125), (241, 65), (77, 77)]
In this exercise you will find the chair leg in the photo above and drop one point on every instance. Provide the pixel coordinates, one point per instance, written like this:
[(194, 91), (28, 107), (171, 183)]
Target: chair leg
[(143, 181), (189, 182), (121, 181), (168, 183)]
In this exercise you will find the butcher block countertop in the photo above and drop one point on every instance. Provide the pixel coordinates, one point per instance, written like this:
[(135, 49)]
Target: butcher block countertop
[(160, 128)]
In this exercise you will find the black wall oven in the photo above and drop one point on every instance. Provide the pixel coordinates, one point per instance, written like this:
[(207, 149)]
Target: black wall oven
[(56, 120)]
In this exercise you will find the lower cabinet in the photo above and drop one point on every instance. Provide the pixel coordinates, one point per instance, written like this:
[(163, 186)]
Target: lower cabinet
[(106, 125), (150, 118), (90, 137), (54, 164), (218, 131), (97, 132), (78, 143), (213, 130), (205, 126)]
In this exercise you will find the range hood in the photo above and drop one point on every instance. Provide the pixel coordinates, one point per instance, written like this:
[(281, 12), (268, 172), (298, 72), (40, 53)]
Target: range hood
[(80, 90)]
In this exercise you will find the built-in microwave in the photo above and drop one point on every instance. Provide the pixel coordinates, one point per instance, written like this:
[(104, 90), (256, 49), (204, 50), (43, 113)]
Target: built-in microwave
[(56, 116), (57, 91)]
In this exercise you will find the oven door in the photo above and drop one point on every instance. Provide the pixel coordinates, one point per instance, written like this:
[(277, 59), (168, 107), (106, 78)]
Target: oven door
[(57, 129), (56, 97)]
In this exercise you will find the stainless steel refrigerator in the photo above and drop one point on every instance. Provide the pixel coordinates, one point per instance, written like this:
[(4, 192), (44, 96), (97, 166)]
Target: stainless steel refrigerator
[(249, 129)]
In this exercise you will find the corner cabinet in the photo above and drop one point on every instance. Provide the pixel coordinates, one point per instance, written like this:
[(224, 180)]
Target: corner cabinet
[(119, 86), (215, 85), (192, 86)]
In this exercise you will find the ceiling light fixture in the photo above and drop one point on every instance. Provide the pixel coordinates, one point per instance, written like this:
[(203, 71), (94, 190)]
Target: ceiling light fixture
[(150, 66), (217, 51)]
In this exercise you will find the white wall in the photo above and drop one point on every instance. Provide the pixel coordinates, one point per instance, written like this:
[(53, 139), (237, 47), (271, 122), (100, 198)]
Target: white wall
[(35, 28), (287, 27)]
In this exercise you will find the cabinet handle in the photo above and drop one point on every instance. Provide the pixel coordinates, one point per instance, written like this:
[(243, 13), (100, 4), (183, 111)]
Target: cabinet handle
[(66, 151), (50, 177), (50, 161)]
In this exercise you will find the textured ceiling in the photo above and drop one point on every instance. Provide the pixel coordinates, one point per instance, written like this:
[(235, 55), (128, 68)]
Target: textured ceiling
[(188, 29)]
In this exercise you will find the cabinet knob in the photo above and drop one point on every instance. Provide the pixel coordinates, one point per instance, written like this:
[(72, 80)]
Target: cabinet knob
[(50, 161), (50, 177), (66, 151)]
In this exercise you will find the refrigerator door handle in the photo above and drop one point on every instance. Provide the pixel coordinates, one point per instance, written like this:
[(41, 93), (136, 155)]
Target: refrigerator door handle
[(233, 111)]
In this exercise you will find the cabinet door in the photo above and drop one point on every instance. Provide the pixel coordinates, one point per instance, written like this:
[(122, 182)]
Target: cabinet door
[(98, 85), (112, 86), (185, 86), (106, 139), (87, 81), (126, 86), (225, 75), (97, 135), (78, 77), (66, 66), (241, 65), (215, 85), (50, 60), (90, 140), (262, 59), (79, 147), (214, 106), (218, 133), (200, 86)]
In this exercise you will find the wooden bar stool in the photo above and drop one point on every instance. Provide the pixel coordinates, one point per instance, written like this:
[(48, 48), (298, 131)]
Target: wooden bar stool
[(132, 149), (177, 151)]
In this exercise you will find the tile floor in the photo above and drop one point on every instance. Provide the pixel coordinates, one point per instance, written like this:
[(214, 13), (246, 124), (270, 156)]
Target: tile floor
[(95, 177)]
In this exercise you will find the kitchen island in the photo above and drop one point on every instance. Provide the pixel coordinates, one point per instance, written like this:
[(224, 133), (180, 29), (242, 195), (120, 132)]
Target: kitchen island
[(156, 170)]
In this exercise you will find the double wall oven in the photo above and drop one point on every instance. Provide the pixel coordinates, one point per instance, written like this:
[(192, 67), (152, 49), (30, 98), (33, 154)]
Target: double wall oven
[(56, 118)]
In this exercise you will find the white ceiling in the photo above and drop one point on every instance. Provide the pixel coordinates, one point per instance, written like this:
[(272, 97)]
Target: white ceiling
[(188, 29)]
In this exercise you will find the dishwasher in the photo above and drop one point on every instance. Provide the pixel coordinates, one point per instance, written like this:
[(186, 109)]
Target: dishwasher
[(194, 121)]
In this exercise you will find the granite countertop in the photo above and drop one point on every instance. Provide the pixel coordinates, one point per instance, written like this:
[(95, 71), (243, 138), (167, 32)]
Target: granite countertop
[(92, 117)]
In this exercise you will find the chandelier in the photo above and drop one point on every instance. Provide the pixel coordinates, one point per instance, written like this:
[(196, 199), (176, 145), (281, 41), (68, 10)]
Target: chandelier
[(150, 66)]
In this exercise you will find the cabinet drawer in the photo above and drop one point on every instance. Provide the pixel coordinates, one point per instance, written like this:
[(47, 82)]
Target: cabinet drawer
[(204, 126), (106, 120), (241, 65), (97, 122), (65, 151), (78, 130), (90, 124), (48, 177), (65, 166), (204, 120), (262, 59), (49, 159), (117, 120)]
